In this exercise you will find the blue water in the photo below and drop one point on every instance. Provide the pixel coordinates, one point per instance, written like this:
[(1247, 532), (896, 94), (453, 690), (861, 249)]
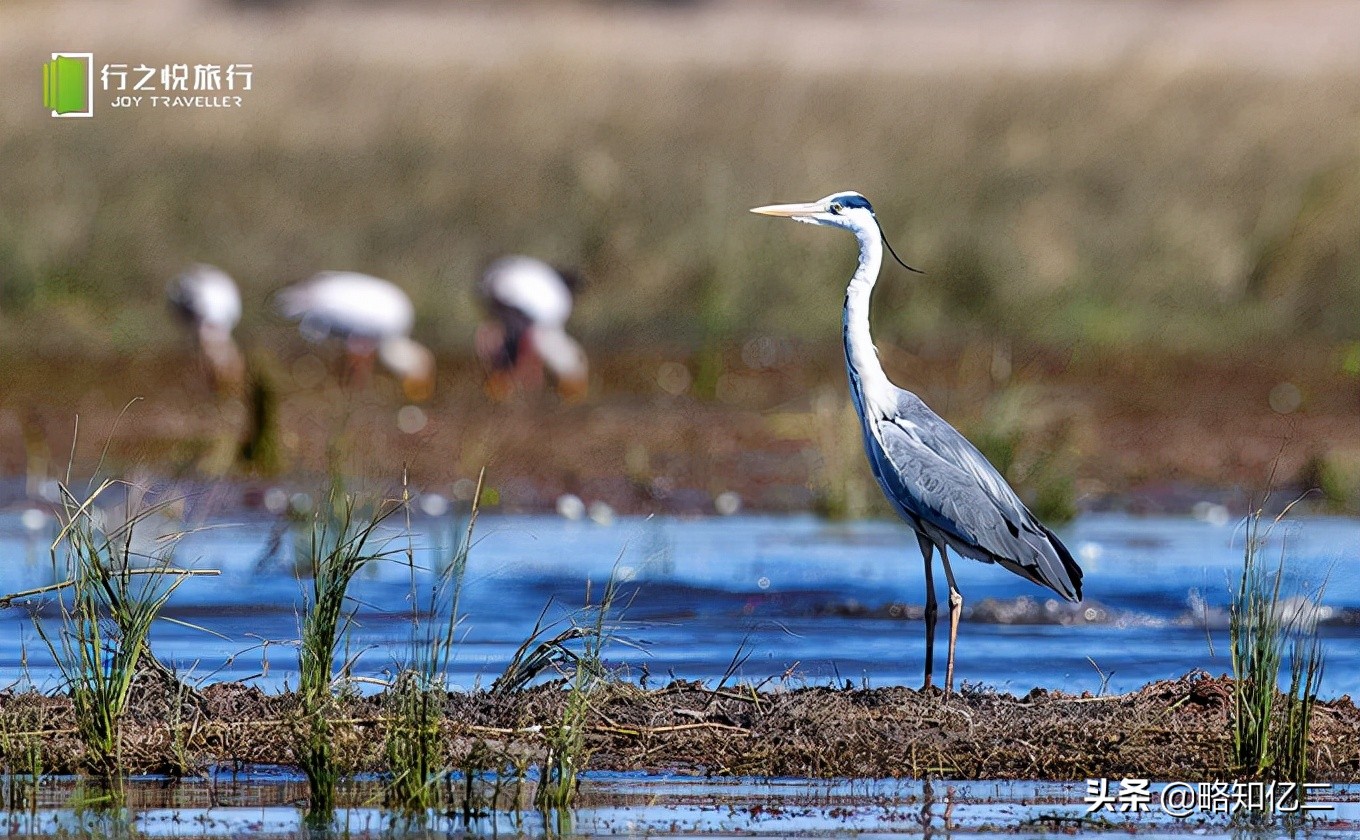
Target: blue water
[(633, 804), (796, 596)]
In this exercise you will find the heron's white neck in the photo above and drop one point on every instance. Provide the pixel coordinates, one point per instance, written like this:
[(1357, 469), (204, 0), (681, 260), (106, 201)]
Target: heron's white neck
[(861, 357)]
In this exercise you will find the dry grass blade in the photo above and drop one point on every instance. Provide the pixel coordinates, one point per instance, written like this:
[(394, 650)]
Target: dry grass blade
[(537, 654), (8, 600)]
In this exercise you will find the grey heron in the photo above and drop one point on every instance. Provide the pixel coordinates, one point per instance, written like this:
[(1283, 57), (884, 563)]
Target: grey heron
[(207, 299), (937, 481), (372, 315), (528, 302)]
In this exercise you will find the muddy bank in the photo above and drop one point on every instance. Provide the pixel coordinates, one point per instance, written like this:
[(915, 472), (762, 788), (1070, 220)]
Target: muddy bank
[(1172, 729), (1150, 433)]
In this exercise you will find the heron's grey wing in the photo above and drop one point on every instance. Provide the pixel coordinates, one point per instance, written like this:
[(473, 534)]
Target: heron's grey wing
[(946, 482)]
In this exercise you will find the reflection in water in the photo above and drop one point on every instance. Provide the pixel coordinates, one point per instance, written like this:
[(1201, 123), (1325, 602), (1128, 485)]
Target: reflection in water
[(270, 804)]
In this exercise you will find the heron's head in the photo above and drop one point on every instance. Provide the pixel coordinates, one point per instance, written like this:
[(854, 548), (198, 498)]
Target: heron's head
[(562, 355), (411, 362), (848, 210)]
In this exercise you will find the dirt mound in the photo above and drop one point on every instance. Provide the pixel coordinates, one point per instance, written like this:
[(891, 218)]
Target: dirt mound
[(1169, 729)]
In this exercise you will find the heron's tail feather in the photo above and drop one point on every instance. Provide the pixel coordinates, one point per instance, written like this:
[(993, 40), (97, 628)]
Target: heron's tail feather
[(292, 301), (1067, 581)]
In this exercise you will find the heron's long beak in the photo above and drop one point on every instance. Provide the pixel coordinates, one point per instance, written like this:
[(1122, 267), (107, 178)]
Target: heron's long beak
[(792, 211)]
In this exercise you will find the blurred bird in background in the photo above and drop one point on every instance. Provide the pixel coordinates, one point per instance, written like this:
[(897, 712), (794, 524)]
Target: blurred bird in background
[(372, 316), (206, 299), (527, 303)]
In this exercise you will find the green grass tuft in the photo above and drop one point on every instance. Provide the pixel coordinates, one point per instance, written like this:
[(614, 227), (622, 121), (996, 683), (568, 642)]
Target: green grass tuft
[(567, 755), (415, 708), (119, 581), (1270, 729), (343, 539)]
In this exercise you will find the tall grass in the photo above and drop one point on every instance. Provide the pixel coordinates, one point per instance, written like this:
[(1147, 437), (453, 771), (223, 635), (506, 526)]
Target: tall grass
[(1028, 442), (260, 448), (1270, 729), (844, 486), (116, 589), (343, 538), (415, 700), (1305, 676), (565, 740)]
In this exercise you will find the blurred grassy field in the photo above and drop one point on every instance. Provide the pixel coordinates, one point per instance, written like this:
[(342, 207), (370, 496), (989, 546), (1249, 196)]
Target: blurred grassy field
[(1115, 200), (1100, 180)]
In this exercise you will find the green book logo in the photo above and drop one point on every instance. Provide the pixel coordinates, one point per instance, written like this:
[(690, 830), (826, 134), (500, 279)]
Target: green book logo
[(68, 85)]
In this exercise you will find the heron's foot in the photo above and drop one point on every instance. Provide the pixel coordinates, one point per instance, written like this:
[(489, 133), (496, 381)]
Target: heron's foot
[(931, 690)]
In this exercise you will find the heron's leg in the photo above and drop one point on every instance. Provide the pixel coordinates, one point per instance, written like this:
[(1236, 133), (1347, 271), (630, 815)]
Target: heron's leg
[(955, 612), (528, 363), (932, 610), (359, 356), (489, 341)]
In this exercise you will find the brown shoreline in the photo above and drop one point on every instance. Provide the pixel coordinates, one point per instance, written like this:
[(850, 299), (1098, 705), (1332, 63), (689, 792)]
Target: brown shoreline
[(1155, 434), (1168, 729)]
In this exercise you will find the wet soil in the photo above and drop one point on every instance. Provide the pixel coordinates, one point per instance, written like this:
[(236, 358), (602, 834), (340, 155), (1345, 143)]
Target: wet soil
[(1170, 729), (1150, 432)]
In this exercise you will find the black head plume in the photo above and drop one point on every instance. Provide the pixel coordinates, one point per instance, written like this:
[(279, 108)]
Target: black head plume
[(890, 248)]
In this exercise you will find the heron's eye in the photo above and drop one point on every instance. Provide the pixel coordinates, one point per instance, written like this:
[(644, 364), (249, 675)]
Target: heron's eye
[(836, 207)]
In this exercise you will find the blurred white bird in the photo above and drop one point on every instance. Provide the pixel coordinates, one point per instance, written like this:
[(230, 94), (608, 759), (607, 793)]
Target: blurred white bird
[(528, 302), (373, 316), (208, 300)]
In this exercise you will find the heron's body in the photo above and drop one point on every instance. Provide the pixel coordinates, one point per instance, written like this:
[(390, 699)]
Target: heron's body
[(208, 300), (529, 303), (347, 304), (372, 315), (530, 287), (934, 478)]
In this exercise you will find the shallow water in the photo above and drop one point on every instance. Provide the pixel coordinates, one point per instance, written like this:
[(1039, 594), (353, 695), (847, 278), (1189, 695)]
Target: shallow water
[(614, 804), (821, 601)]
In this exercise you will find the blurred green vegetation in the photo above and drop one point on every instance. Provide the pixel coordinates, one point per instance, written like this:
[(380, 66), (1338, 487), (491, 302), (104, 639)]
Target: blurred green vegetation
[(1131, 205), (1335, 476)]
